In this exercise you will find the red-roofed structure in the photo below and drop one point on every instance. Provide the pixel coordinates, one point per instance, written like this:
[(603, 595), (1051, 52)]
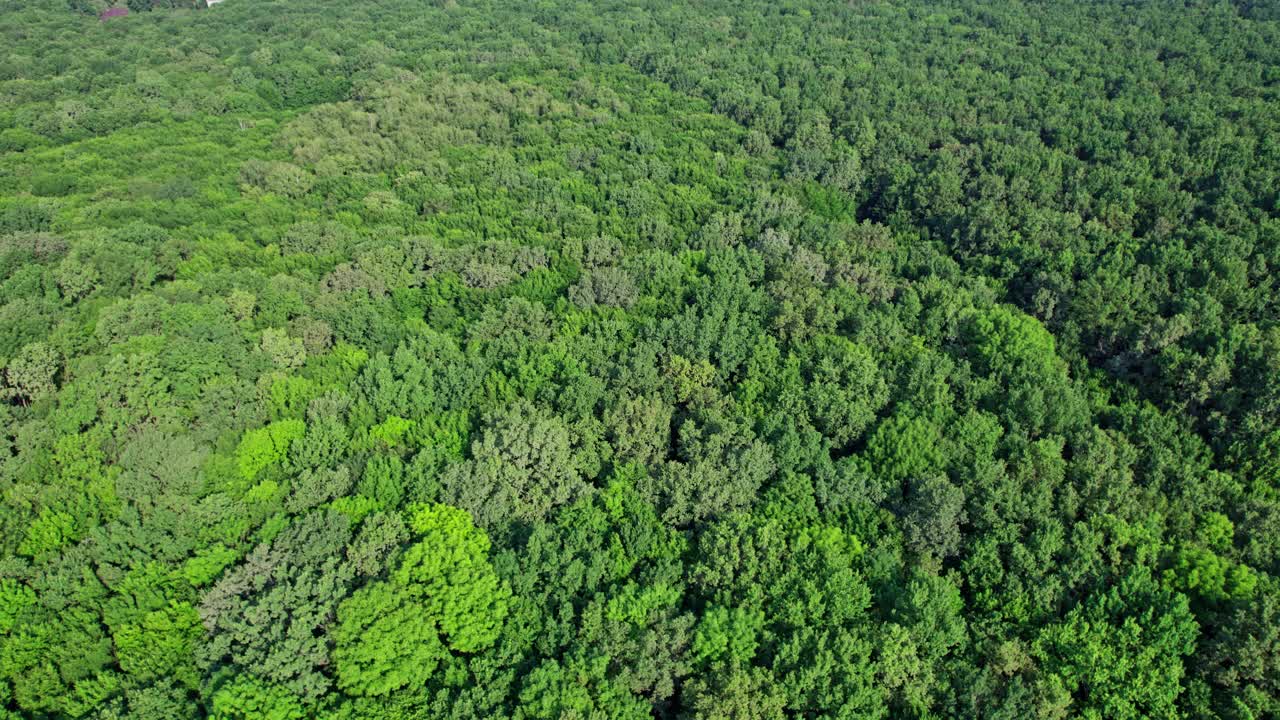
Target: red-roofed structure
[(112, 13)]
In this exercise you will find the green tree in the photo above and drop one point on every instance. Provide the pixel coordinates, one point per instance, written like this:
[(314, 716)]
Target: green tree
[(247, 697), (523, 465), (844, 388), (1120, 652), (267, 446), (394, 633), (30, 374), (385, 640)]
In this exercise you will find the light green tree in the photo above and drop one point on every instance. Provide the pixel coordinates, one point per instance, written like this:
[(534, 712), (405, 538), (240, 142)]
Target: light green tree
[(393, 633)]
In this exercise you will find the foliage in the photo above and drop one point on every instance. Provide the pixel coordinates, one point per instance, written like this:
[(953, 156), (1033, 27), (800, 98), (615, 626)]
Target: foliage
[(640, 359)]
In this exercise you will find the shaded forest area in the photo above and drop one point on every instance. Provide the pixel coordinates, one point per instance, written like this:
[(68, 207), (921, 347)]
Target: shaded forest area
[(724, 359)]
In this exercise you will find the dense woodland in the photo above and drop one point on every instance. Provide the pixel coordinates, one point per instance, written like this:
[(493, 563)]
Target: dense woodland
[(723, 359)]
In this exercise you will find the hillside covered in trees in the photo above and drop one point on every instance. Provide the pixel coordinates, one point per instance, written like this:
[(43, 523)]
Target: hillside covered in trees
[(727, 359)]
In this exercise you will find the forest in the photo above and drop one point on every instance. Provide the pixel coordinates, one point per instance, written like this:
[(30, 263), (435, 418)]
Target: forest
[(714, 360)]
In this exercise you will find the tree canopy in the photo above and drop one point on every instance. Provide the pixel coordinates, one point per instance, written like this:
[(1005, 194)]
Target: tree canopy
[(746, 359)]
